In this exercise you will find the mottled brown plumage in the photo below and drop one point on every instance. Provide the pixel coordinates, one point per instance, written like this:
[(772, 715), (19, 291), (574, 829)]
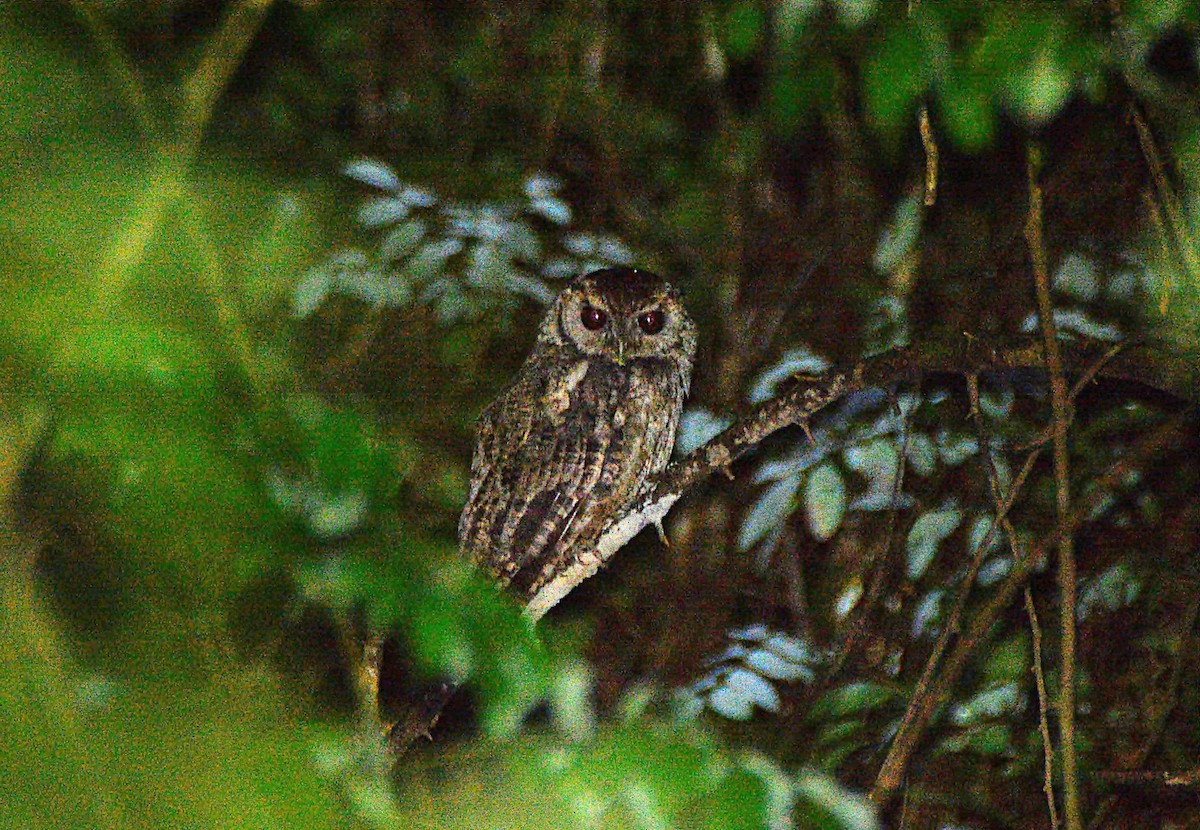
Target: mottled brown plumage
[(591, 414)]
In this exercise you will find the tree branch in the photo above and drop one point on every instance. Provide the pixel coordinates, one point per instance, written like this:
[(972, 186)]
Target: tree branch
[(927, 704), (1160, 371), (1156, 370), (1060, 421), (666, 488)]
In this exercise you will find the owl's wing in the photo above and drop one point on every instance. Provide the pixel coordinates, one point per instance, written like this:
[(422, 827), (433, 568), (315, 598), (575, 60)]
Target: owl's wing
[(544, 455)]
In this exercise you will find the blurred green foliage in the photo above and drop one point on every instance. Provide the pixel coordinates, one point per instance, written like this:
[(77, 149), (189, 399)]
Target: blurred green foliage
[(223, 459)]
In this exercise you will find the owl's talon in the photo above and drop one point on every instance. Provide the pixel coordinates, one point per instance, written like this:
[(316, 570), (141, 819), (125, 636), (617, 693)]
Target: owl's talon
[(662, 534)]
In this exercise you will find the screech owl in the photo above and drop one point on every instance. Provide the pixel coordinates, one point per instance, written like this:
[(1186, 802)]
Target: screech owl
[(591, 414)]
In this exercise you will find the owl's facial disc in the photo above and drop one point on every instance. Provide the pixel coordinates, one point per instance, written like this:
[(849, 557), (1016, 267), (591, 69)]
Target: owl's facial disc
[(623, 314)]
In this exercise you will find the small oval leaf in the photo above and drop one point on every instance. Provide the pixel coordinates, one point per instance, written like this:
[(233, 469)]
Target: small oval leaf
[(728, 703), (381, 210), (769, 664), (372, 172), (754, 688), (926, 534), (824, 501), (772, 507)]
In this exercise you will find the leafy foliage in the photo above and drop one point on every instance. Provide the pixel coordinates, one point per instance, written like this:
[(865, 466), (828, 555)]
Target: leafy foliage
[(461, 260)]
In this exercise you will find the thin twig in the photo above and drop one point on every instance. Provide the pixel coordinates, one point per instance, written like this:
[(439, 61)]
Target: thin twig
[(1043, 722), (932, 696), (1166, 194), (1165, 251), (1061, 417), (929, 142), (919, 712), (1035, 629)]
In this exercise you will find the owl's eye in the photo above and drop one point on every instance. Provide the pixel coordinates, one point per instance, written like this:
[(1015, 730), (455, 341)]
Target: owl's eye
[(593, 318), (652, 322)]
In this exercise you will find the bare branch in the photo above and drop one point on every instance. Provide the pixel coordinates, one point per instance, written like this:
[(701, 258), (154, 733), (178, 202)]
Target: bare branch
[(666, 488), (1060, 422), (1142, 365), (1164, 372)]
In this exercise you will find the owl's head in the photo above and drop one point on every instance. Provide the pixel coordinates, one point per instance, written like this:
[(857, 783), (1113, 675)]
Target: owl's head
[(625, 314)]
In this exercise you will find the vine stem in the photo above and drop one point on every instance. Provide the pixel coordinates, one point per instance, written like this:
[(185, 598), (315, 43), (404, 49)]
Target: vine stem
[(1060, 418)]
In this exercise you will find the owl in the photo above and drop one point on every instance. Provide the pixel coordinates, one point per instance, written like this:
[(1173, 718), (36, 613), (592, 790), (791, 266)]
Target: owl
[(592, 413)]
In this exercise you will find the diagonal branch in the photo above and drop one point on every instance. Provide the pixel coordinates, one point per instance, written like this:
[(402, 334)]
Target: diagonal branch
[(1163, 372), (667, 487), (932, 698), (1148, 367)]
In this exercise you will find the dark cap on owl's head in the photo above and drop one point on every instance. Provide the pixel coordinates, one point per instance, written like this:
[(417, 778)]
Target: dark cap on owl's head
[(626, 286)]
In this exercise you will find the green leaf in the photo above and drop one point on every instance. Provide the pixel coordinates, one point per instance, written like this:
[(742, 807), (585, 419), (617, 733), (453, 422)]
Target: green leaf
[(791, 16), (312, 290), (980, 528), (797, 360), (373, 173), (402, 240), (989, 704), (277, 253), (773, 665), (1042, 89), (1112, 589), (797, 88), (44, 756), (1153, 17), (739, 800), (967, 110), (848, 810), (1076, 276), (224, 756), (552, 209), (772, 507), (921, 454), (926, 534), (744, 25), (852, 699), (824, 501), (379, 211), (854, 13), (1009, 659), (731, 703), (895, 77), (878, 460), (989, 740), (848, 598), (697, 427), (955, 448)]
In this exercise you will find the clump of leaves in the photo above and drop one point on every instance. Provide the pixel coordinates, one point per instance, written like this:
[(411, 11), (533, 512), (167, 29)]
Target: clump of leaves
[(459, 259)]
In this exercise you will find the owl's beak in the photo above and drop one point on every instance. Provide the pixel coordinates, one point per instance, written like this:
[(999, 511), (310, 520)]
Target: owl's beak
[(620, 351)]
